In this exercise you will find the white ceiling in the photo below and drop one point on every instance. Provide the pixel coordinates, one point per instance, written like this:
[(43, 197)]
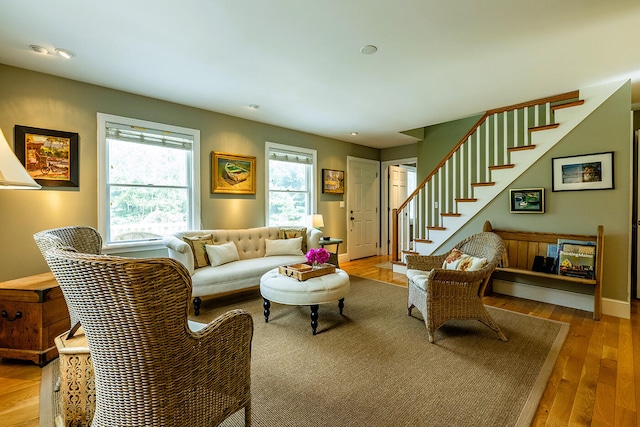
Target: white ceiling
[(300, 60)]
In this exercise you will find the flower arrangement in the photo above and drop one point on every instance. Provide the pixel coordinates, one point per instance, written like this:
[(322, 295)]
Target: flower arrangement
[(317, 256)]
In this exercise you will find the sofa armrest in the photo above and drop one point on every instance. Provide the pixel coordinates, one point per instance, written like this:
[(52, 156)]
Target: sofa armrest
[(180, 251), (313, 238)]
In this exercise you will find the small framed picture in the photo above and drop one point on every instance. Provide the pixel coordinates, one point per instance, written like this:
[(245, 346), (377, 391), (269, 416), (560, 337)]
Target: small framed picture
[(233, 173), (50, 156), (332, 181), (586, 172), (527, 200)]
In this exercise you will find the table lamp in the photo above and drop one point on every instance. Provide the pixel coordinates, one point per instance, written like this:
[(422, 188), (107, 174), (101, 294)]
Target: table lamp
[(317, 221), (13, 176)]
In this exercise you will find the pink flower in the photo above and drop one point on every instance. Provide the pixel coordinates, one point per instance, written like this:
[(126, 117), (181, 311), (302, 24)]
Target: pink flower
[(320, 255)]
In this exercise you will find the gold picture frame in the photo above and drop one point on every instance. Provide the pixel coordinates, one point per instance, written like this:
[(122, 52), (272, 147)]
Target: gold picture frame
[(233, 173), (332, 181)]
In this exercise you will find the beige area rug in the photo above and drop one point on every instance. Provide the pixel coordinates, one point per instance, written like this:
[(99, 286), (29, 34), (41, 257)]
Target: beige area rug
[(374, 366)]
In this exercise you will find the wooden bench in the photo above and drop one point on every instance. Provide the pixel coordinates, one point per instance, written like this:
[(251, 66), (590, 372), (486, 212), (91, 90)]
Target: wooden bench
[(521, 248)]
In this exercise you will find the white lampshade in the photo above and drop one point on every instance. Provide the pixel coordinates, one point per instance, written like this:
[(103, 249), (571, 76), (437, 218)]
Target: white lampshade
[(13, 176), (317, 221)]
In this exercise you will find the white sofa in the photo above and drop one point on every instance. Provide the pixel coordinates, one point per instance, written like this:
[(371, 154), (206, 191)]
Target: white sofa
[(251, 263)]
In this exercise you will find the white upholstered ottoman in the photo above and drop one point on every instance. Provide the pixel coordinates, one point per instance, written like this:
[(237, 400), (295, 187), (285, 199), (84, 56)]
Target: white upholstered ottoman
[(275, 287)]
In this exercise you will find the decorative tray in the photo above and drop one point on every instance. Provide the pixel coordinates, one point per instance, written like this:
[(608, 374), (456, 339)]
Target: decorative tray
[(306, 271)]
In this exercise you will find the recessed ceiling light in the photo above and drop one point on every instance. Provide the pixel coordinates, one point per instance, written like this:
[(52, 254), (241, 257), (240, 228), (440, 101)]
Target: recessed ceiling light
[(354, 133), (39, 49), (254, 106), (368, 49), (67, 54)]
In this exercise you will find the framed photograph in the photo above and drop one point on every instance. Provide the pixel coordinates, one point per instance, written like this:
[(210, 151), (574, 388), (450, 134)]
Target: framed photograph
[(233, 173), (50, 156), (527, 200), (585, 172), (332, 181)]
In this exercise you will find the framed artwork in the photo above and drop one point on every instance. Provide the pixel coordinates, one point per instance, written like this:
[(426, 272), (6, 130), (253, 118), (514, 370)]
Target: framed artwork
[(233, 173), (50, 156), (332, 181), (526, 200), (585, 172)]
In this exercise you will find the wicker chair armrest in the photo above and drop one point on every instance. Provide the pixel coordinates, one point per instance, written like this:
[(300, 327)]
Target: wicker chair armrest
[(425, 262), (224, 346)]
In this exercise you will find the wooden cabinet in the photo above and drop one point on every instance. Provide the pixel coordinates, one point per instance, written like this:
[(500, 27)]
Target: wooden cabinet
[(33, 312)]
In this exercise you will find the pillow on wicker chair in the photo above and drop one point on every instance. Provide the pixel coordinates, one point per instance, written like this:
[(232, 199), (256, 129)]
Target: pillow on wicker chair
[(457, 260)]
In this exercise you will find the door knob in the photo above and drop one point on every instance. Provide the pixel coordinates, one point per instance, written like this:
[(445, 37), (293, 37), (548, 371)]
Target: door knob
[(352, 218)]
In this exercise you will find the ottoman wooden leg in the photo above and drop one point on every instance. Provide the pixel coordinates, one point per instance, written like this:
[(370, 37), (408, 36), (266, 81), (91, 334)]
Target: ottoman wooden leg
[(267, 306), (314, 318), (341, 304)]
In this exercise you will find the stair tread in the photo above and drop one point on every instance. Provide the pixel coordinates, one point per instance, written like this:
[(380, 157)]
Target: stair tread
[(567, 105), (450, 214), (435, 227), (544, 127), (509, 166), (524, 147), (423, 241), (467, 200), (482, 184)]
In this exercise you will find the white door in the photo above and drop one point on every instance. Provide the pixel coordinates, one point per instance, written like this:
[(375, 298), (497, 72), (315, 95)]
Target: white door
[(636, 142), (398, 193), (363, 221)]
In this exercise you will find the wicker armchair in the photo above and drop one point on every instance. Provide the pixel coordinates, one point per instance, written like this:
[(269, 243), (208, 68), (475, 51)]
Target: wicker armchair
[(442, 295), (150, 368), (82, 239)]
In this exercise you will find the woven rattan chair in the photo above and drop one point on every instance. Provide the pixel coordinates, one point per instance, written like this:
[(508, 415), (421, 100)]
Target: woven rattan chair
[(150, 368), (82, 239), (442, 295)]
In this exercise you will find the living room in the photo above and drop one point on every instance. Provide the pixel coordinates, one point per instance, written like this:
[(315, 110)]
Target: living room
[(42, 100)]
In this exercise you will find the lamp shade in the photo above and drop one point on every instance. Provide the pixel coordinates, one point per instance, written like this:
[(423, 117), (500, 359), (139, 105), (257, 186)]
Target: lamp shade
[(13, 176), (317, 221)]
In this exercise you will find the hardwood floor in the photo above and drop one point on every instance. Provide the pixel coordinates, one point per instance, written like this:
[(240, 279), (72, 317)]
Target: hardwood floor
[(594, 383)]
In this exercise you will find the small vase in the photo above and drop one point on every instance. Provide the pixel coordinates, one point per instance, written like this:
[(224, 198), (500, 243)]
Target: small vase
[(316, 265)]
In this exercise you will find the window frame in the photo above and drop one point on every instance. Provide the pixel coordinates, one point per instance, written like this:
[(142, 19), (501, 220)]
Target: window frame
[(194, 185), (312, 202)]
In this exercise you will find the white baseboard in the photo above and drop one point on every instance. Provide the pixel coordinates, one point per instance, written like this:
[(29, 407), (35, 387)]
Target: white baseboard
[(564, 298)]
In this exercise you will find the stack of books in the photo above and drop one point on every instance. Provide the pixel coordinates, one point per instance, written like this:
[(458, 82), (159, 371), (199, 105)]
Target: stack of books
[(576, 258)]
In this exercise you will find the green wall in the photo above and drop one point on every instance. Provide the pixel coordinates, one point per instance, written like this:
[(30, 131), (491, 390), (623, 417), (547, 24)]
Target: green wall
[(43, 101), (579, 212)]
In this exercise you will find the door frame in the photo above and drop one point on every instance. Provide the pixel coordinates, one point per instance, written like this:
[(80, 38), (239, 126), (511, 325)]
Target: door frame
[(351, 159), (384, 197)]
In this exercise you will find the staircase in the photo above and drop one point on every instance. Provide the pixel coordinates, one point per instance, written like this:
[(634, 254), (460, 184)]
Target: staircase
[(501, 146)]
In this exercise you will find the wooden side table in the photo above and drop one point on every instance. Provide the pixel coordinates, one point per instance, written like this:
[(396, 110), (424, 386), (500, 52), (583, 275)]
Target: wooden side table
[(333, 255), (32, 313), (77, 385)]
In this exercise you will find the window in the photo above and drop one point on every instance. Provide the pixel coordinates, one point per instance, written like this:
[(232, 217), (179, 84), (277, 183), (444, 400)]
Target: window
[(290, 190), (148, 181)]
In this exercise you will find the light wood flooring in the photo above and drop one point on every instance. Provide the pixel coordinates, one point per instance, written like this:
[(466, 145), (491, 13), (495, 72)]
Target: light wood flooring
[(596, 380)]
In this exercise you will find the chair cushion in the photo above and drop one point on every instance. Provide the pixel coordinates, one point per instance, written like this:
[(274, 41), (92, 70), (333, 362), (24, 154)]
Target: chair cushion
[(222, 254), (418, 278), (197, 244), (291, 246)]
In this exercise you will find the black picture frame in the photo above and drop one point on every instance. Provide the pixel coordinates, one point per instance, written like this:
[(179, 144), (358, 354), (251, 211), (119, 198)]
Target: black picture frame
[(583, 172), (49, 156), (526, 200), (332, 181)]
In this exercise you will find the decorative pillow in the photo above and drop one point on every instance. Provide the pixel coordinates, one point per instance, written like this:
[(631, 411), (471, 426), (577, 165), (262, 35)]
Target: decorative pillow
[(222, 254), (470, 263), (290, 246), (292, 233), (457, 260), (452, 260), (197, 244)]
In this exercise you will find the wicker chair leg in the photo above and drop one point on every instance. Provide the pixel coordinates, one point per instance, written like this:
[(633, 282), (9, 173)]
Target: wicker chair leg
[(409, 309), (247, 415), (431, 337)]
